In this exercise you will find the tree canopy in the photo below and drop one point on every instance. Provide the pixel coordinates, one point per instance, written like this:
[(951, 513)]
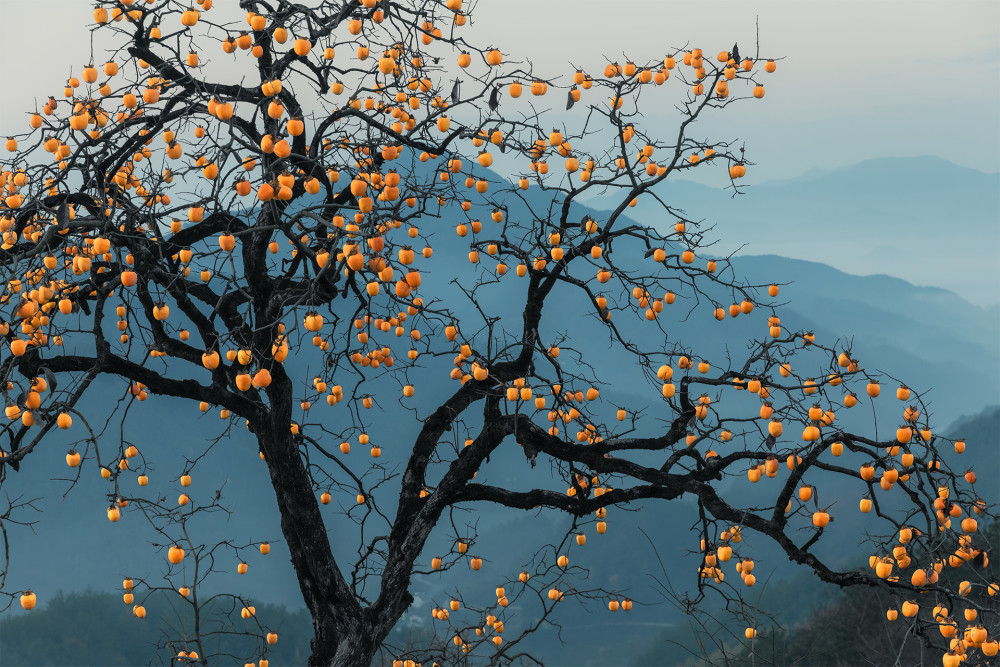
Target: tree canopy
[(319, 222)]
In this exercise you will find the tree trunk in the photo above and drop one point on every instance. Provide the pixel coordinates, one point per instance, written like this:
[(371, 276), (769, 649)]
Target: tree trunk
[(342, 634), (353, 650)]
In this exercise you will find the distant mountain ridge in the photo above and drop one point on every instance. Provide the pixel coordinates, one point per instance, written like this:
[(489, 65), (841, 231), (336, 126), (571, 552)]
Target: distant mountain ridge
[(922, 219), (943, 340), (928, 163)]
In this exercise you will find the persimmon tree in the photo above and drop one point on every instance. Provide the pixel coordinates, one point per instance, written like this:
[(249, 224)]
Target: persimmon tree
[(238, 209)]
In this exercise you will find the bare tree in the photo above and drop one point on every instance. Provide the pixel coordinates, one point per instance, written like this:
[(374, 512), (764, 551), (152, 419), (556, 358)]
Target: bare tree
[(190, 234)]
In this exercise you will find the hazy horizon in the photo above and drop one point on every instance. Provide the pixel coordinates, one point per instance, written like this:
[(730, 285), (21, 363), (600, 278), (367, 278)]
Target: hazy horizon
[(859, 88), (897, 105)]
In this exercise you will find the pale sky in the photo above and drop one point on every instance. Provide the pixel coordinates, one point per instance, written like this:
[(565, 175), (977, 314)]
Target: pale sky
[(859, 79)]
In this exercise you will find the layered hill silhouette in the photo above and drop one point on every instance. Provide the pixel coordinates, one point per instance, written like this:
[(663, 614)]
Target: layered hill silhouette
[(923, 219), (72, 628), (938, 341)]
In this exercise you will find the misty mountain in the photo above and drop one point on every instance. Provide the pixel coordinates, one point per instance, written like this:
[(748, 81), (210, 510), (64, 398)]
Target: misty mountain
[(656, 632), (923, 219), (933, 338)]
